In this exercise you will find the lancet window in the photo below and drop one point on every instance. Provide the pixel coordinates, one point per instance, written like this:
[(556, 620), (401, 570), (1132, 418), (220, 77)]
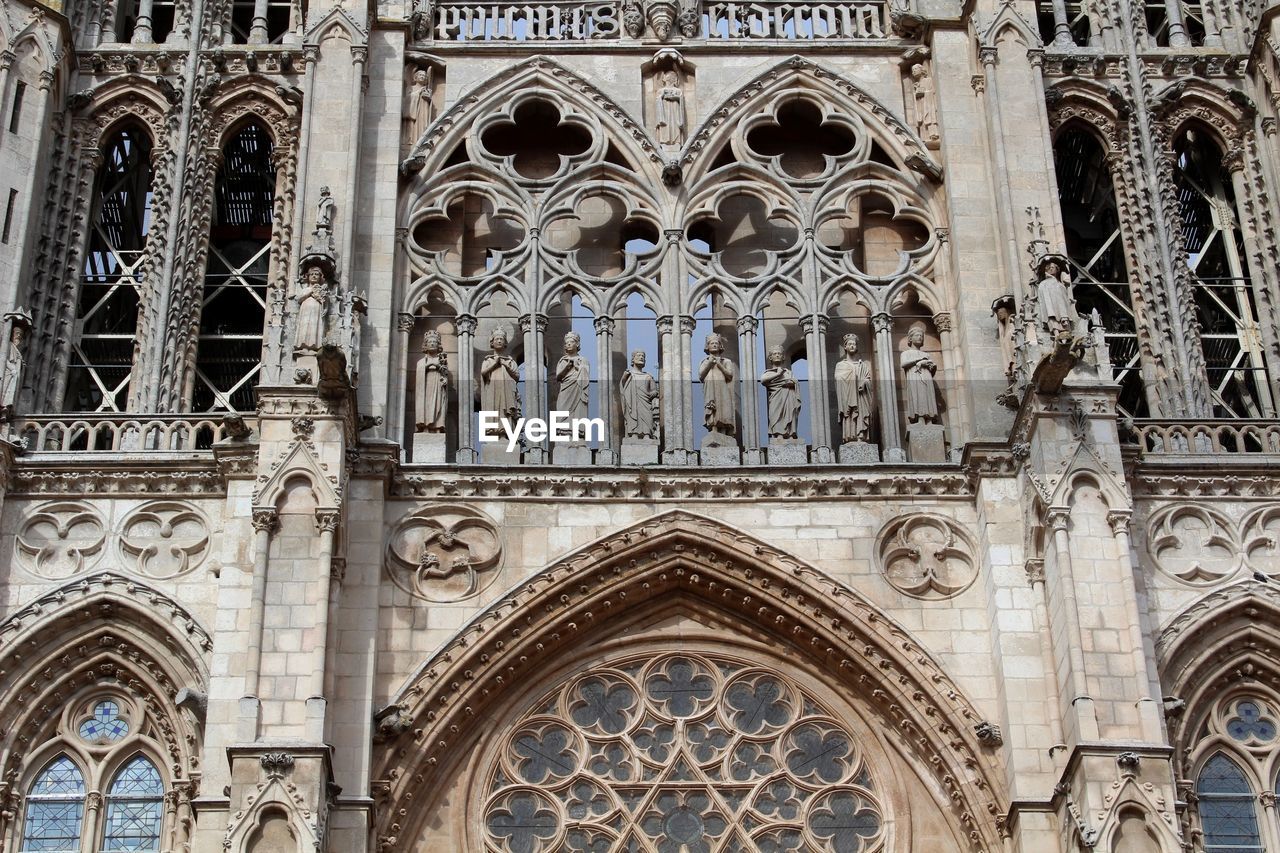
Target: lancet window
[(102, 756), (103, 347), (1095, 247), (234, 302), (1226, 303)]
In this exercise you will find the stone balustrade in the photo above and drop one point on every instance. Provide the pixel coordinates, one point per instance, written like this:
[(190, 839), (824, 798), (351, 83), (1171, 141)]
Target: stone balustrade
[(118, 433)]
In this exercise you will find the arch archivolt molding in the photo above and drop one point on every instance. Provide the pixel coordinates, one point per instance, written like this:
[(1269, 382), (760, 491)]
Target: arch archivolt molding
[(683, 554)]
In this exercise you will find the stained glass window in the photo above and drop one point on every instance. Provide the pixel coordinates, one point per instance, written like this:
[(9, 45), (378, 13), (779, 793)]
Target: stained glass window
[(134, 808), (1227, 808), (105, 725), (55, 809), (681, 753)]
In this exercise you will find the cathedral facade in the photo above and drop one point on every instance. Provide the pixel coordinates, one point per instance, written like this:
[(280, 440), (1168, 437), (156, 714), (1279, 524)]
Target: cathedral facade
[(917, 367)]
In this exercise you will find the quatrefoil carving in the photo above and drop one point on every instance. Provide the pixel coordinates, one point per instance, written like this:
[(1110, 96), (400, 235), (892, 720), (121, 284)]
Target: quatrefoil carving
[(444, 553), (926, 556), (745, 231), (61, 539), (165, 539), (539, 141), (470, 236), (801, 142)]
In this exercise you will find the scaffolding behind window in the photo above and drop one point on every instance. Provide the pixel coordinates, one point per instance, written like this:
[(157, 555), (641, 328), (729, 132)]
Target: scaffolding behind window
[(1225, 301), (1162, 22), (276, 17), (1096, 249), (1077, 22), (110, 286), (233, 308)]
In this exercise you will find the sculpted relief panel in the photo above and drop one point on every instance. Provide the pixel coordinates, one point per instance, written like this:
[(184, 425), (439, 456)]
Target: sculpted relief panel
[(444, 553), (926, 556), (1198, 545)]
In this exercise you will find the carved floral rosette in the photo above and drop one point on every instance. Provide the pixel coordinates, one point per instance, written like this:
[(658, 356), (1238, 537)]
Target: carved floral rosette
[(61, 539), (164, 539), (444, 553), (926, 556)]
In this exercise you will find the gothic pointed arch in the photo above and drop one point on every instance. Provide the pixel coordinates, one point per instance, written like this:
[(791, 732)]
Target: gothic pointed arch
[(680, 560), (797, 76), (552, 80), (1227, 112), (102, 634)]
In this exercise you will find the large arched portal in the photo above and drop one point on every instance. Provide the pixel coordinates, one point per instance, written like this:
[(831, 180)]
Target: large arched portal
[(680, 686)]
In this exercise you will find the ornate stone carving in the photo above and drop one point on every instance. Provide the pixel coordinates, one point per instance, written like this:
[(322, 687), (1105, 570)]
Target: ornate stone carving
[(573, 373), (855, 394), (498, 377), (926, 556), (61, 539), (15, 362), (313, 310), (719, 391), (921, 389), (1193, 543), (926, 101), (164, 539), (444, 553), (669, 111)]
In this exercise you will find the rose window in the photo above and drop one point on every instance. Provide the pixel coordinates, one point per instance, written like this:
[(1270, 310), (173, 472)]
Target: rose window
[(681, 754)]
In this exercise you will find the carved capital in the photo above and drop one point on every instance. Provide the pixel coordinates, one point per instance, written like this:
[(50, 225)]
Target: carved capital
[(265, 519), (942, 321), (987, 56), (978, 83), (604, 325), (326, 520), (1268, 799), (1119, 521), (1233, 160), (881, 323), (687, 324), (814, 322), (1035, 570), (747, 325), (1057, 519), (405, 321), (466, 324), (359, 54), (1269, 126), (665, 324)]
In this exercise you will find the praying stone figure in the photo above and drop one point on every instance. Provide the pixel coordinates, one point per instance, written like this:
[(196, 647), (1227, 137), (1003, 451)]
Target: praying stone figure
[(498, 377), (855, 397), (1055, 306), (783, 395), (432, 403), (926, 103), (15, 362), (719, 401), (639, 400), (313, 305), (573, 372), (669, 111), (418, 109)]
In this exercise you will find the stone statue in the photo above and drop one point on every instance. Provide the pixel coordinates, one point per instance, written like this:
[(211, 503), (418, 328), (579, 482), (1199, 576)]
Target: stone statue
[(1003, 309), (926, 103), (854, 393), (1056, 308), (418, 109), (783, 395), (498, 377), (324, 217), (15, 362), (921, 390), (313, 305), (669, 112), (432, 403), (573, 372), (639, 400), (719, 399), (633, 18)]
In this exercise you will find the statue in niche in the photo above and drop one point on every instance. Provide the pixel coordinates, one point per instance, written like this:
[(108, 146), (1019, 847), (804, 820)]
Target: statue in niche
[(1003, 310), (854, 393), (573, 372), (783, 395), (432, 403), (669, 110), (498, 377), (15, 363), (313, 305), (639, 400), (418, 108), (719, 400), (324, 215), (921, 389), (1055, 306), (926, 103)]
